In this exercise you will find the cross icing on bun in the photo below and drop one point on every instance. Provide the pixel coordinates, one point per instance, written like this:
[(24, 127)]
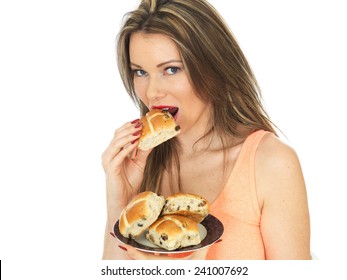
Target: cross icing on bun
[(173, 231), (158, 127), (140, 213)]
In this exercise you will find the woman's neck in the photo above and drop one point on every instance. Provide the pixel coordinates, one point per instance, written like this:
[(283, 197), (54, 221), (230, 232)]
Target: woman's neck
[(194, 144)]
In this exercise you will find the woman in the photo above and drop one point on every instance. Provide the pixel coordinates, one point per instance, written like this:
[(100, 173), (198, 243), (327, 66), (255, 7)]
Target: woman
[(181, 54)]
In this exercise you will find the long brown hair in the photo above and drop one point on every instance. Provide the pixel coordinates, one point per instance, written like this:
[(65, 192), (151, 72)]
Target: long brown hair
[(216, 66)]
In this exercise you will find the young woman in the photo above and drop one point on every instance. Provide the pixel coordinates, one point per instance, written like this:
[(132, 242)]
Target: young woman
[(181, 54)]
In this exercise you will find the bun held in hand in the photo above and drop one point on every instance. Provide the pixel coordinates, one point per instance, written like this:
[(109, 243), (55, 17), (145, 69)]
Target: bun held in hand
[(158, 127)]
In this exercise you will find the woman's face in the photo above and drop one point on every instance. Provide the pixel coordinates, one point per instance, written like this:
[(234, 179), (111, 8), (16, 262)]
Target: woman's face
[(161, 81)]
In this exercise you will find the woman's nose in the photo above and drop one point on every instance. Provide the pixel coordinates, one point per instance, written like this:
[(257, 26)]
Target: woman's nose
[(155, 89)]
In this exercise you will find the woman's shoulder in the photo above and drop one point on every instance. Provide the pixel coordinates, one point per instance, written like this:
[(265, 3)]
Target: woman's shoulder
[(282, 200), (277, 168), (273, 151)]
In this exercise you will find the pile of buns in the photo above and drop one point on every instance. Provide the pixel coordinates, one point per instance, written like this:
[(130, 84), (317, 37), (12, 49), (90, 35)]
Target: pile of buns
[(172, 223)]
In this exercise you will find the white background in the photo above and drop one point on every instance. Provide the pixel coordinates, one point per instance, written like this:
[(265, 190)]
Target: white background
[(61, 100)]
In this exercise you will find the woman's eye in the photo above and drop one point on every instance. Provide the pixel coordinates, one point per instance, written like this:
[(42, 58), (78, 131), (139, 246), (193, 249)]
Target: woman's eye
[(172, 70), (140, 73)]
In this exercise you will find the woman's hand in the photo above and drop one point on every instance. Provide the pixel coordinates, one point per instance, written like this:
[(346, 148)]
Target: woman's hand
[(124, 173)]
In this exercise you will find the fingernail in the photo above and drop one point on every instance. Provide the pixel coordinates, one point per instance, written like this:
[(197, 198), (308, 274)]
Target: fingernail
[(123, 248), (138, 125), (135, 121), (219, 240), (137, 133), (112, 234), (133, 142)]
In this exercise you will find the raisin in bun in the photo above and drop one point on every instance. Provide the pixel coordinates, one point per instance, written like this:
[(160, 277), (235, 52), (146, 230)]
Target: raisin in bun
[(140, 213), (174, 231), (189, 205), (158, 127)]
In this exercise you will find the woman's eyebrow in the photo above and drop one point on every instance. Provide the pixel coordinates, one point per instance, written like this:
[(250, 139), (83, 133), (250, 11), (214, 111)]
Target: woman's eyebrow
[(169, 61), (159, 65), (133, 64)]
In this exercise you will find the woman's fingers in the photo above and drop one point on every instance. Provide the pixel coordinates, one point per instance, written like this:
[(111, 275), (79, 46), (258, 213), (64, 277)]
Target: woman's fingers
[(124, 140), (123, 153), (127, 129), (125, 135), (119, 144), (134, 124)]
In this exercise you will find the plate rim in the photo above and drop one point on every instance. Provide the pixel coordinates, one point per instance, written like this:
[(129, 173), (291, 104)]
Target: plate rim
[(213, 225)]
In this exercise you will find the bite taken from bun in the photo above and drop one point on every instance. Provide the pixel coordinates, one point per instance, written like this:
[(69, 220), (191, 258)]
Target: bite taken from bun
[(158, 127), (142, 211), (189, 205), (173, 231)]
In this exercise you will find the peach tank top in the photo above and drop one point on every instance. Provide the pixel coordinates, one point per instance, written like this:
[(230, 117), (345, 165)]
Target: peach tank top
[(237, 208)]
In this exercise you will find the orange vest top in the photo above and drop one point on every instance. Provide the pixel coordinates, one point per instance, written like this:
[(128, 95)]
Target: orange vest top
[(238, 209)]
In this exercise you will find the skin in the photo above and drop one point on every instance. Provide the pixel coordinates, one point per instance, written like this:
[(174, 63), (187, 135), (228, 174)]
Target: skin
[(160, 79)]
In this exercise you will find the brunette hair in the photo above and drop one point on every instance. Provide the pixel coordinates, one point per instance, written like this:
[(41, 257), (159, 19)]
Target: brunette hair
[(216, 67)]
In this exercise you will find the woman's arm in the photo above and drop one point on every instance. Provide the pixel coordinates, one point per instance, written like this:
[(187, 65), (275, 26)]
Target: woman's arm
[(285, 222), (124, 175)]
